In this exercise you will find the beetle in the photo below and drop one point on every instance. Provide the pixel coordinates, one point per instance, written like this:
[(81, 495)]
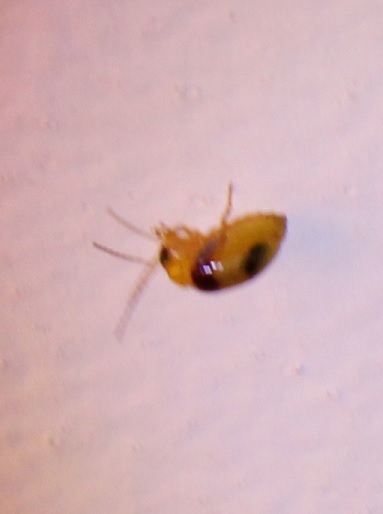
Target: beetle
[(226, 256)]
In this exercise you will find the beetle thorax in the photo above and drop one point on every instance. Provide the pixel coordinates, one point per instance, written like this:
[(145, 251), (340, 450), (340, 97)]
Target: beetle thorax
[(180, 248)]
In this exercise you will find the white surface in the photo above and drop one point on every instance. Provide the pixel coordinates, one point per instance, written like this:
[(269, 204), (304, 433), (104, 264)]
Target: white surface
[(263, 399)]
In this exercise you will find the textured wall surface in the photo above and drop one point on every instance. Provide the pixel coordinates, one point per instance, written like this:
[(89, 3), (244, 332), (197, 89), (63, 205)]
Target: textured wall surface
[(263, 399)]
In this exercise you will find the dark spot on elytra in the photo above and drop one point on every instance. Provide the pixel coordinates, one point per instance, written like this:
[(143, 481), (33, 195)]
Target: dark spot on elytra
[(255, 259)]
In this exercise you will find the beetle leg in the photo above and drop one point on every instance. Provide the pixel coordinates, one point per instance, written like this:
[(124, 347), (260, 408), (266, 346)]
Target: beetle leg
[(133, 299), (225, 215), (229, 205)]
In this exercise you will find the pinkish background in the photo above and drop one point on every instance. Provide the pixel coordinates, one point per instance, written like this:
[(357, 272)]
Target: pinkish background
[(267, 398)]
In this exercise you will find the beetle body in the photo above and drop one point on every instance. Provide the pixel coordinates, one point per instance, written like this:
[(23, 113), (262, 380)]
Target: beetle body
[(224, 257)]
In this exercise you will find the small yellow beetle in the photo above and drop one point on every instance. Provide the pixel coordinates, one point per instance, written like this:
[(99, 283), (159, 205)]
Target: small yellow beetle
[(226, 256)]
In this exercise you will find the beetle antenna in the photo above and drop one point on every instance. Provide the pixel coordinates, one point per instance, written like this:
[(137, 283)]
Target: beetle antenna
[(130, 226), (121, 255), (133, 299)]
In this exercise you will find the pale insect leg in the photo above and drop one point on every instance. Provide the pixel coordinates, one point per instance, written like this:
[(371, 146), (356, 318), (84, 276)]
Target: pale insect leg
[(130, 226), (226, 213), (121, 255), (133, 299), (228, 207)]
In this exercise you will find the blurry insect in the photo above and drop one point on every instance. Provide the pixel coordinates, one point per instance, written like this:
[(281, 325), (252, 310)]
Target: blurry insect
[(226, 256)]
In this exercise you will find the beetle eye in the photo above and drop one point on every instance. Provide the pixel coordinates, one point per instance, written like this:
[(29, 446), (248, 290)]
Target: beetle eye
[(164, 255)]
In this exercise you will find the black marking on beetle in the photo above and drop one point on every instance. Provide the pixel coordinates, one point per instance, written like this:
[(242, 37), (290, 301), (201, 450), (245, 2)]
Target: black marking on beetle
[(255, 259), (164, 255), (203, 276)]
